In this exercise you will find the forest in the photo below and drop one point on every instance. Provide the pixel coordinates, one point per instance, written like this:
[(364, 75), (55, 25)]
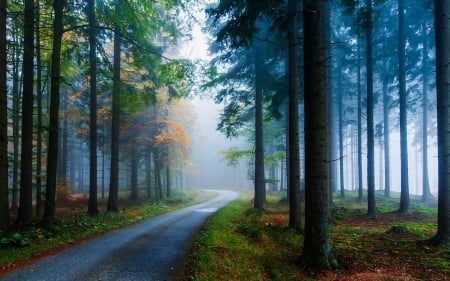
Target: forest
[(329, 96)]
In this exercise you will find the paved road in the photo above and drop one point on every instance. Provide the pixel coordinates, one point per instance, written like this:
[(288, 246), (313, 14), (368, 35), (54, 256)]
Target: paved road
[(150, 250)]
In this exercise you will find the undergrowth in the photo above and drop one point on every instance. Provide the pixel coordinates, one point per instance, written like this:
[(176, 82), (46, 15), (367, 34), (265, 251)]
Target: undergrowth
[(239, 243)]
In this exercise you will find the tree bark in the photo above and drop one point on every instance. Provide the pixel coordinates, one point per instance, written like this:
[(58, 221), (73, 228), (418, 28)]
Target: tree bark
[(293, 122), (92, 204), (26, 156), (52, 159), (317, 252), (260, 187), (360, 166), (426, 193), (4, 201), (404, 194), (113, 197), (371, 208), (39, 90), (442, 37), (387, 166)]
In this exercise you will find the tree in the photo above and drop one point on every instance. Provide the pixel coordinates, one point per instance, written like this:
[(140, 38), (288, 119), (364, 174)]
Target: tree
[(26, 156), (317, 251), (55, 81), (293, 123), (92, 204), (115, 122), (371, 207), (404, 196), (442, 37), (4, 202)]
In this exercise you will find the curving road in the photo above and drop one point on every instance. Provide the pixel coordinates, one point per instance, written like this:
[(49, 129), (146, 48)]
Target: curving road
[(150, 250)]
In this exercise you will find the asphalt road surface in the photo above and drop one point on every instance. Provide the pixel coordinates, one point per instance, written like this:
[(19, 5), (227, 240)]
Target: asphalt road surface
[(150, 250)]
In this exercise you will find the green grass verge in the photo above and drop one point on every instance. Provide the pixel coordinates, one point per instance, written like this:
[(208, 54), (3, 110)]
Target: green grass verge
[(239, 243)]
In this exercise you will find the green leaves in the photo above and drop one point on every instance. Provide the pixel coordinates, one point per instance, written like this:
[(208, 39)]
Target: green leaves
[(15, 239)]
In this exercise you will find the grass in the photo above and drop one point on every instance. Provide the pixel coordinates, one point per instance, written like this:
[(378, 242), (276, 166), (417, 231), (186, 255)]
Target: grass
[(74, 225), (239, 243)]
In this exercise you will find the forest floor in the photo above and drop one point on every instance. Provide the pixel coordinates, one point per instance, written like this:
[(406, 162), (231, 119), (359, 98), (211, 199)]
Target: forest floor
[(73, 225), (239, 243)]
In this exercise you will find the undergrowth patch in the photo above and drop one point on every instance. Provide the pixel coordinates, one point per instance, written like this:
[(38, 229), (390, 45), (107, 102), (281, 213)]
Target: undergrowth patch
[(239, 243)]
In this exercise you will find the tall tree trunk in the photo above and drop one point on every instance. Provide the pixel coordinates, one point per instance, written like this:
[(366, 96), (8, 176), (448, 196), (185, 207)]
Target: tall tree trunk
[(113, 197), (92, 204), (26, 156), (387, 162), (168, 180), (404, 194), (317, 252), (16, 123), (52, 160), (260, 188), (359, 153), (341, 135), (371, 208), (295, 219), (426, 193), (39, 130), (4, 201), (442, 33)]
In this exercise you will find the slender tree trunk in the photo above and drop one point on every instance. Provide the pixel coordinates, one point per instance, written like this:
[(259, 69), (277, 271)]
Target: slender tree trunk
[(92, 204), (404, 195), (134, 173), (360, 166), (52, 160), (387, 162), (39, 130), (442, 33), (341, 135), (26, 156), (371, 208), (260, 188), (16, 125), (113, 198), (426, 193), (293, 121), (318, 251), (4, 201)]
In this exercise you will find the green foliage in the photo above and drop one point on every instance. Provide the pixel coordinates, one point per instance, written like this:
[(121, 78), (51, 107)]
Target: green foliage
[(234, 155), (14, 239)]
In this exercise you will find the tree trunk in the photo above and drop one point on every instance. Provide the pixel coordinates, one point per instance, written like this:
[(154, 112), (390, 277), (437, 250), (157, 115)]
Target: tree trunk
[(260, 188), (52, 159), (404, 195), (387, 165), (341, 135), (295, 219), (360, 165), (442, 33), (26, 156), (113, 197), (134, 173), (92, 204), (39, 130), (371, 208), (426, 193), (16, 124), (4, 201), (317, 252)]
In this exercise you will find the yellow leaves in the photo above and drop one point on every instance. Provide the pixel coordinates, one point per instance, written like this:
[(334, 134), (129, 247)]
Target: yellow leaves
[(75, 96)]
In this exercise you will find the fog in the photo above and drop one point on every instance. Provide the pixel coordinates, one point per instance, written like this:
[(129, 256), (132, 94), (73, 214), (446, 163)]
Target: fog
[(211, 171)]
